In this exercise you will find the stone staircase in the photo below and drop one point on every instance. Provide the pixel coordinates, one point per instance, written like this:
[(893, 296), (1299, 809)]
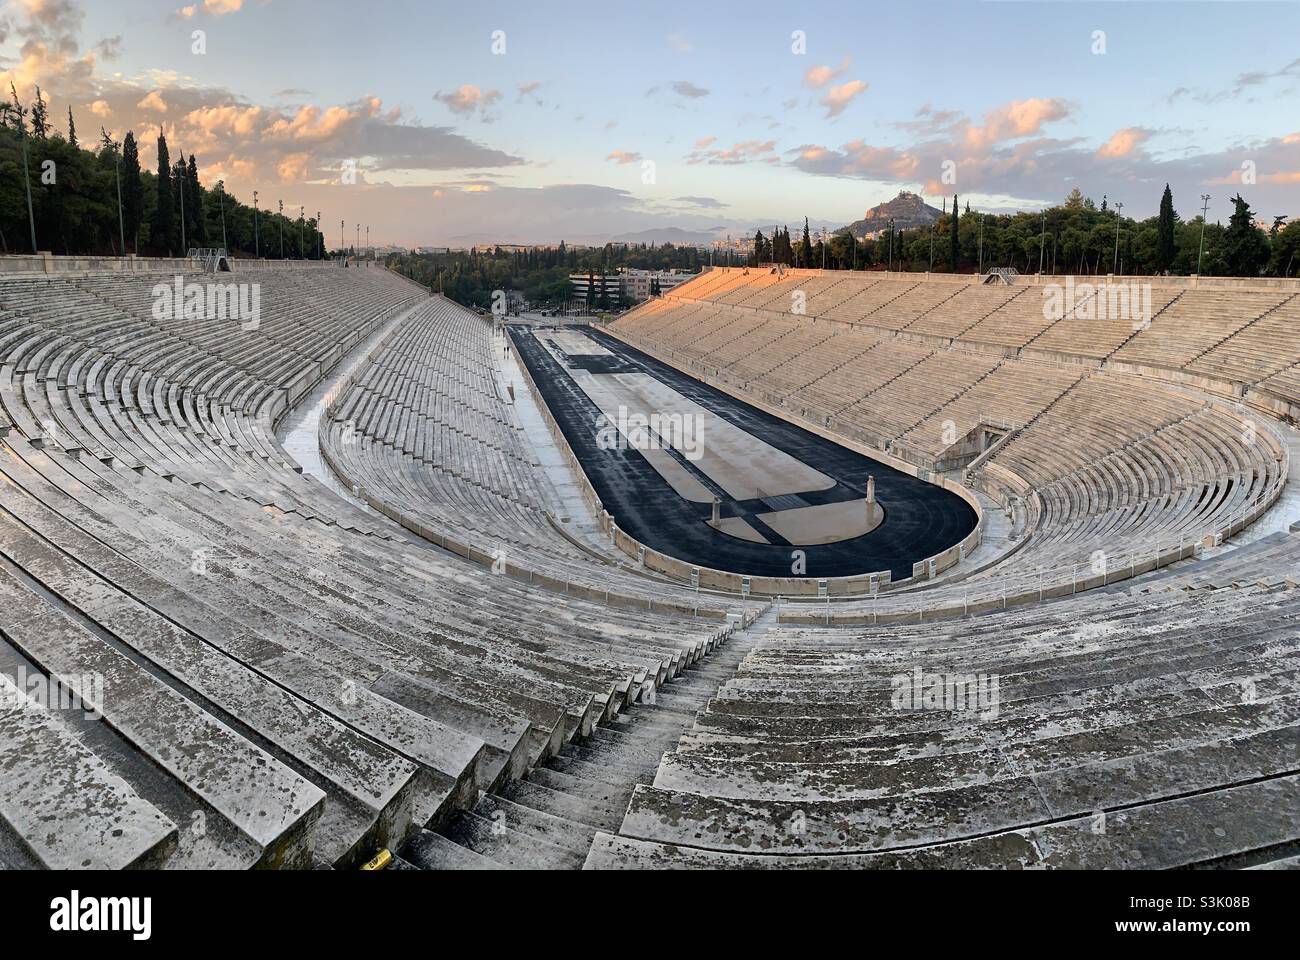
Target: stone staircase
[(548, 819)]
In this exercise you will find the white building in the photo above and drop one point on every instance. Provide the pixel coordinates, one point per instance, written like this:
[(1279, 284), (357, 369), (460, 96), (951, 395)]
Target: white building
[(640, 285), (610, 283)]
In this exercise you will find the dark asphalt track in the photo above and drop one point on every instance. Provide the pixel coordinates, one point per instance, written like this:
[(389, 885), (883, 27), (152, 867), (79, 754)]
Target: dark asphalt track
[(921, 520)]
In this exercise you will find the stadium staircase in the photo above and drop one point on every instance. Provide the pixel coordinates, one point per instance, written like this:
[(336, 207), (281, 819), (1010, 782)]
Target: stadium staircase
[(548, 819)]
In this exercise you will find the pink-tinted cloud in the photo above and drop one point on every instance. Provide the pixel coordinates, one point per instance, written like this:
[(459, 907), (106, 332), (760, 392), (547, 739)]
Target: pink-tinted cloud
[(838, 98), (742, 152), (468, 98), (1124, 142), (1015, 120), (818, 76)]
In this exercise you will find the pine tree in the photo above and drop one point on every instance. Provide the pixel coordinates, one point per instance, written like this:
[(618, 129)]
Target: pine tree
[(132, 191), (1166, 248), (805, 246), (40, 117), (1244, 249), (164, 222), (955, 247), (15, 112), (72, 130)]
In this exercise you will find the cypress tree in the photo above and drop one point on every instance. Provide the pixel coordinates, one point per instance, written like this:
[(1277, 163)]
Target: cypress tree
[(72, 130), (1165, 244), (956, 249), (132, 191), (164, 221), (194, 204)]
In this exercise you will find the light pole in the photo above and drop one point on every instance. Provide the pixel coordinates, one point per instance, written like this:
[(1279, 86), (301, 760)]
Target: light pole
[(281, 229), (981, 244), (257, 241), (1205, 210), (891, 245), (368, 241), (320, 236), (302, 232), (343, 243), (1119, 209), (221, 196), (121, 218), (27, 176), (1042, 244)]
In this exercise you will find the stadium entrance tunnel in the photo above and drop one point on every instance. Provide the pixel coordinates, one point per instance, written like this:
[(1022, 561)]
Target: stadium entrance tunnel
[(698, 475)]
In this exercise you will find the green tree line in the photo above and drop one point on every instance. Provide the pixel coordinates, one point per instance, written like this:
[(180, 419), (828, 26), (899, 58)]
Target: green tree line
[(74, 189), (1077, 236), (540, 275)]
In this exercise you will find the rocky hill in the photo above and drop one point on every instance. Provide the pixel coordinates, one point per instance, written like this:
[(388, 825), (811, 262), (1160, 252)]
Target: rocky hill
[(907, 210)]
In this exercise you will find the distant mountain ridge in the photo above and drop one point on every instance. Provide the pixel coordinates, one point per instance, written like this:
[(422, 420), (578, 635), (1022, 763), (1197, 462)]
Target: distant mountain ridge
[(908, 211)]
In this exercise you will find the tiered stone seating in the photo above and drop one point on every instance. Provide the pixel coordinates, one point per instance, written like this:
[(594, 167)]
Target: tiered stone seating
[(1195, 323), (869, 302), (280, 677), (966, 305), (1262, 349), (1017, 316), (423, 434), (902, 403), (1087, 333), (297, 677), (1149, 731), (854, 373), (1285, 385), (1098, 464), (1010, 397)]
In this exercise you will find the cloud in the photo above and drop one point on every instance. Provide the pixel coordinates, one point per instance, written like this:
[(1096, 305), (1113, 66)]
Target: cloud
[(856, 159), (838, 98), (703, 142), (743, 152), (110, 48), (1244, 82), (1015, 120), (153, 103), (680, 43), (818, 76), (467, 99), (703, 203), (684, 88), (623, 157), (528, 88), (1123, 142), (213, 8)]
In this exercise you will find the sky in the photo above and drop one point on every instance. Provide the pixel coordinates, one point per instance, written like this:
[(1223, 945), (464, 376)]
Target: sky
[(455, 123)]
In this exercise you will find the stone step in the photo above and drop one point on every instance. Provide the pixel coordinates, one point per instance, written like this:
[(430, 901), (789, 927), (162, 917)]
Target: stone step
[(560, 831), (432, 851), (597, 813), (69, 809), (576, 785), (511, 848)]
